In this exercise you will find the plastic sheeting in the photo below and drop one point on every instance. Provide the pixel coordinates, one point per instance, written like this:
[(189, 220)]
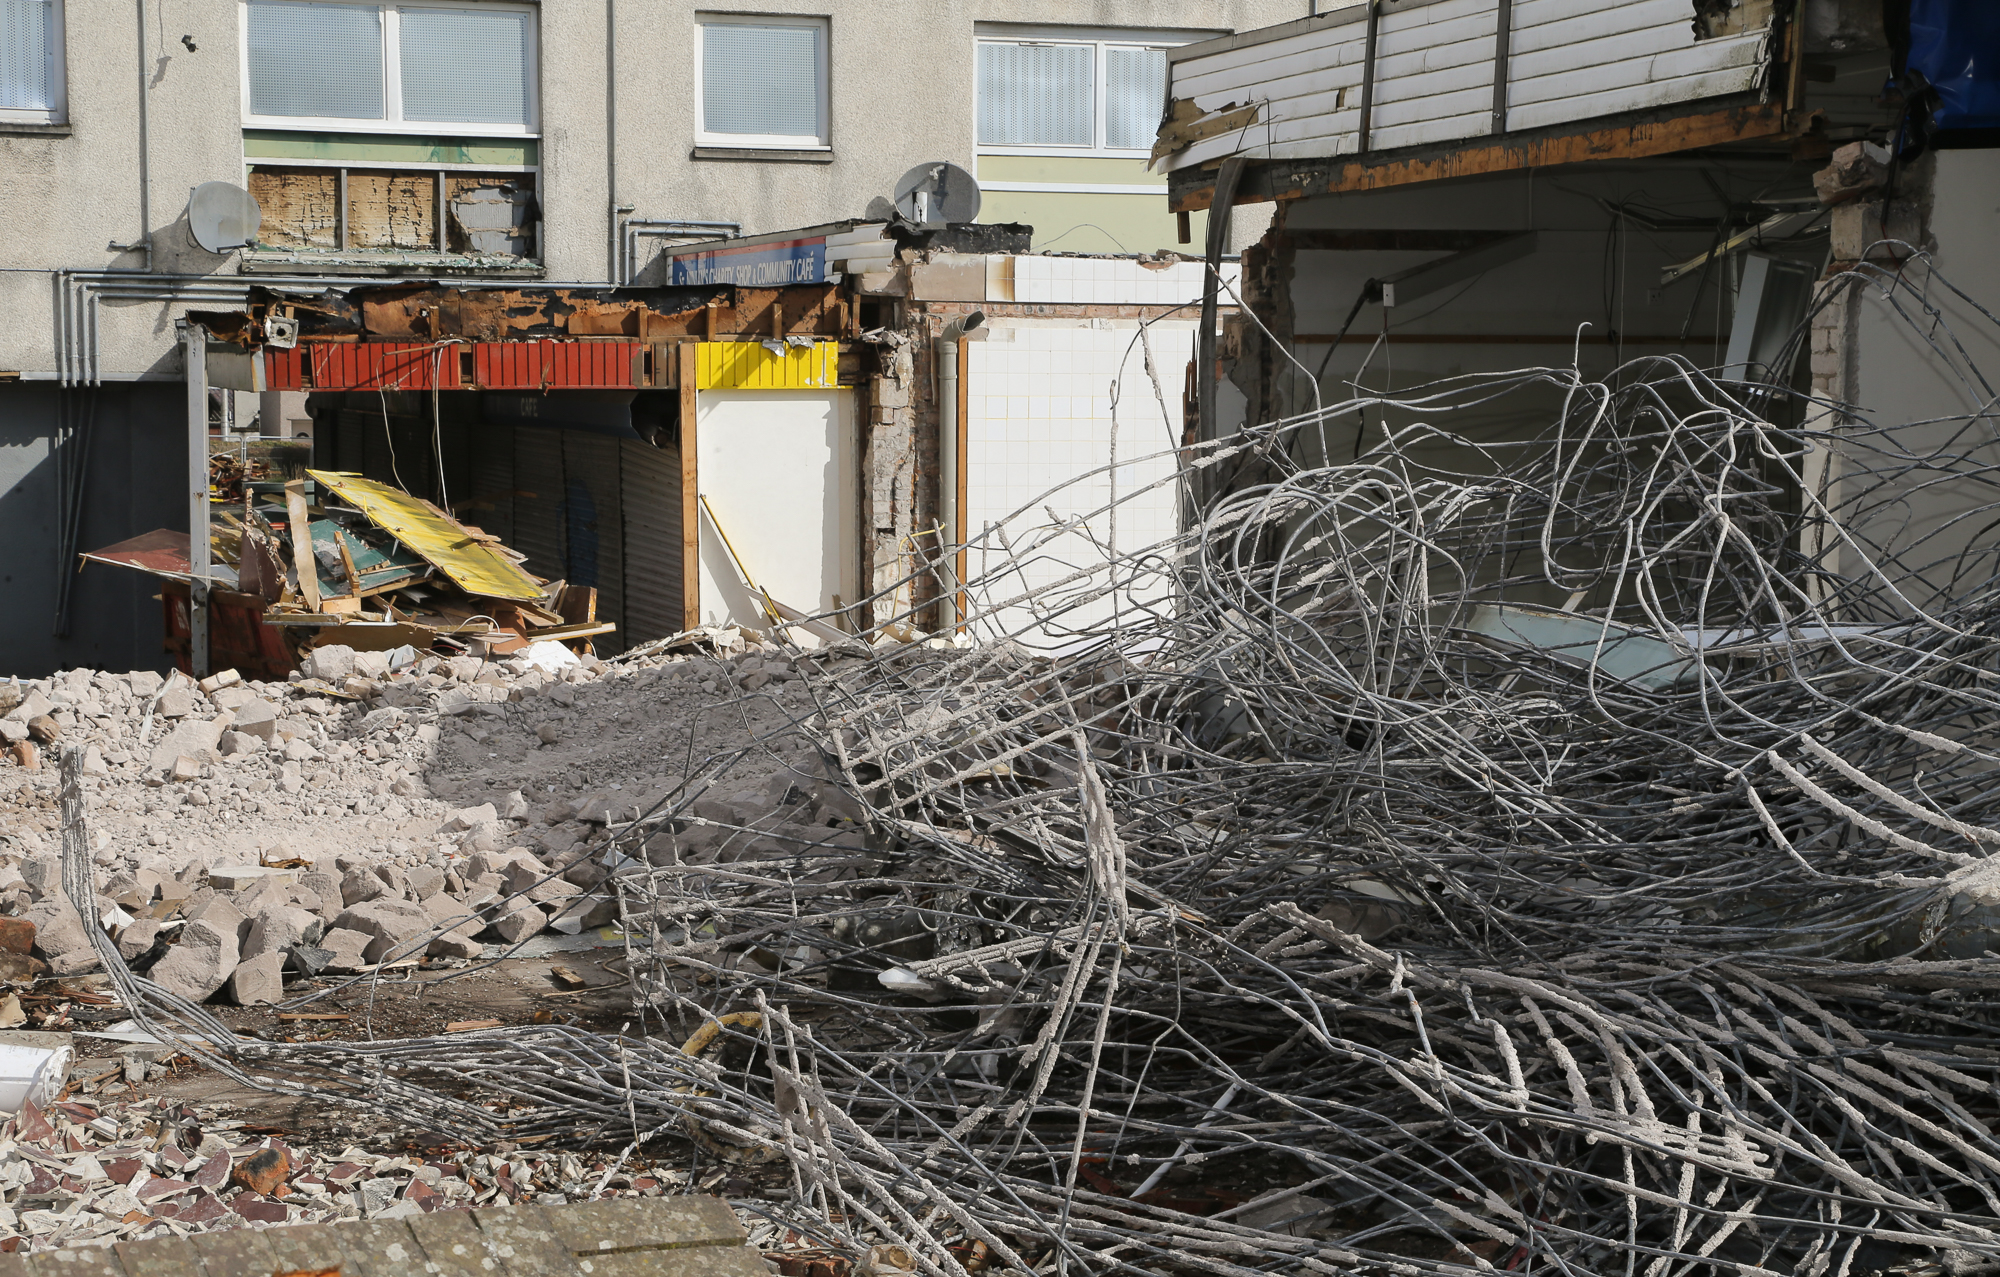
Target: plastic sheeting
[(1955, 45)]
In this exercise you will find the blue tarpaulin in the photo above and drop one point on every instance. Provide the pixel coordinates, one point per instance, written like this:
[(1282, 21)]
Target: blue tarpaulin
[(1955, 46)]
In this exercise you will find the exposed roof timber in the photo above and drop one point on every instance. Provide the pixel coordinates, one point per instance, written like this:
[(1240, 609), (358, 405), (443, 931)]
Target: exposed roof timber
[(1655, 133)]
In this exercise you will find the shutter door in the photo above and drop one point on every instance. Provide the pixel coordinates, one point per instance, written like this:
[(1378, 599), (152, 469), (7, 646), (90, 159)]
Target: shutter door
[(349, 451), (375, 452), (538, 500), (650, 480), (594, 528), (492, 508)]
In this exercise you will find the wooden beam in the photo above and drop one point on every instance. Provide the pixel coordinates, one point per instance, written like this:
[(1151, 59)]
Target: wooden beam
[(690, 492), (1294, 179), (1368, 73), (300, 533), (1388, 241)]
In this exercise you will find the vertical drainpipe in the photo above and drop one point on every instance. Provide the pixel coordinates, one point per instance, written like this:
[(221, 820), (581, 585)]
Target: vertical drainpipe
[(145, 173), (613, 271), (945, 352), (194, 345), (947, 362)]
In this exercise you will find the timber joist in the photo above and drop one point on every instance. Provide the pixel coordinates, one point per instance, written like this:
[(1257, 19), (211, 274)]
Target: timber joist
[(1655, 133)]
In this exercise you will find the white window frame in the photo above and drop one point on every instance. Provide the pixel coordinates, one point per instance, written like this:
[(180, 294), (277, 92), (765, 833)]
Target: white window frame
[(392, 120), (1102, 39), (58, 79), (766, 141)]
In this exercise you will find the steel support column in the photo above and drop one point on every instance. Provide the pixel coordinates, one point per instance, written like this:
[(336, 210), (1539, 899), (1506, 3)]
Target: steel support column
[(194, 348)]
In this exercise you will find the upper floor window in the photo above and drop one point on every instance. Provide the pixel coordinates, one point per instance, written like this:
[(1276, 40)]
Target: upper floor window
[(387, 67), (762, 81), (1088, 91), (31, 62)]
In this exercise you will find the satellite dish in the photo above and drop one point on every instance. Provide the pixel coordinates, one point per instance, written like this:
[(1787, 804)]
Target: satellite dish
[(223, 216), (937, 192)]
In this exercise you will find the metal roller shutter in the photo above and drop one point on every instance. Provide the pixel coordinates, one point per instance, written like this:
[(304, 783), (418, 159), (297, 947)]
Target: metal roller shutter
[(594, 527), (650, 481), (492, 494), (349, 451), (538, 500)]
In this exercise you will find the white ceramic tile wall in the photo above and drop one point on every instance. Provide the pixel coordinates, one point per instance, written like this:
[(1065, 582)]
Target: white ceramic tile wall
[(1039, 420), (1111, 281)]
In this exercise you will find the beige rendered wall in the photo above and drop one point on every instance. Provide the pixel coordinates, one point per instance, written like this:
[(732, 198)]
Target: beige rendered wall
[(618, 116)]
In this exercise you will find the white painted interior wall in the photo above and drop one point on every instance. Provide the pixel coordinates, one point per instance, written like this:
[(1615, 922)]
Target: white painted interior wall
[(1040, 414), (1898, 378), (1592, 273), (778, 469)]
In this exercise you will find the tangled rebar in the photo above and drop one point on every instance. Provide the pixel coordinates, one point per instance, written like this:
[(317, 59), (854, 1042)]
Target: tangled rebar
[(1559, 837)]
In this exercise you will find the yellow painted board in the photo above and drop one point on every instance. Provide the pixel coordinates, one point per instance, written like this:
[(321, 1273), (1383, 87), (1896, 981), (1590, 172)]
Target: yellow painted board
[(443, 542), (752, 365)]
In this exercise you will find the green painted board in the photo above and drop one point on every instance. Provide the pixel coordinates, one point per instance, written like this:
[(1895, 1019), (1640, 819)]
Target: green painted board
[(383, 149)]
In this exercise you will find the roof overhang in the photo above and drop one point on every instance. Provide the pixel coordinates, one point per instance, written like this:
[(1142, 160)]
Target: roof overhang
[(1693, 126)]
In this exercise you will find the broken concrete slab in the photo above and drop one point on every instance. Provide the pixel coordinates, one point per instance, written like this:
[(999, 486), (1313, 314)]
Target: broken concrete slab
[(199, 963), (258, 979), (346, 950), (197, 739), (389, 923)]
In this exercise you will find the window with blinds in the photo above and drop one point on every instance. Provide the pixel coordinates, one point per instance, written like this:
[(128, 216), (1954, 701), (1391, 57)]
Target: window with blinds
[(1096, 95), (332, 64), (31, 71), (763, 81), (1037, 94), (464, 66)]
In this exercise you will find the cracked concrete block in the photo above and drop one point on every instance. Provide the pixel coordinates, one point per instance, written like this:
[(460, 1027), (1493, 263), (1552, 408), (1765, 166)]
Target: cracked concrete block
[(259, 979), (346, 949), (469, 818), (389, 922), (358, 886), (196, 739), (235, 744), (279, 929), (138, 937), (526, 920), (199, 963)]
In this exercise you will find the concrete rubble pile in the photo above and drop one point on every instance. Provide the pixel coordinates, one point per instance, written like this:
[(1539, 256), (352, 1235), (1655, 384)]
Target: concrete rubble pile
[(106, 1171), (251, 833)]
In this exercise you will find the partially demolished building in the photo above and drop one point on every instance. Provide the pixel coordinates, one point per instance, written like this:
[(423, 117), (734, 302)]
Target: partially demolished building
[(1464, 185), (1498, 777), (490, 143)]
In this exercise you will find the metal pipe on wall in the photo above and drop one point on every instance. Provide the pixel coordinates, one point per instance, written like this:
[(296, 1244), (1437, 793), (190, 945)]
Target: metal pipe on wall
[(145, 159), (78, 416), (637, 226), (194, 348), (78, 292), (611, 265)]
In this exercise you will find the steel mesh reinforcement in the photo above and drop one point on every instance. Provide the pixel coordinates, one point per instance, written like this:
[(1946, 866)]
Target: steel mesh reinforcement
[(1556, 838)]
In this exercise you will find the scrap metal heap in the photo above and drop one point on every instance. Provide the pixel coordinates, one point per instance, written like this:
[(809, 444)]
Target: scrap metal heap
[(1568, 855)]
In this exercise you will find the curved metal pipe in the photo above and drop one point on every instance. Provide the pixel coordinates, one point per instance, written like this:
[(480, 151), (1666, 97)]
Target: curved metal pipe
[(636, 226), (77, 348)]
